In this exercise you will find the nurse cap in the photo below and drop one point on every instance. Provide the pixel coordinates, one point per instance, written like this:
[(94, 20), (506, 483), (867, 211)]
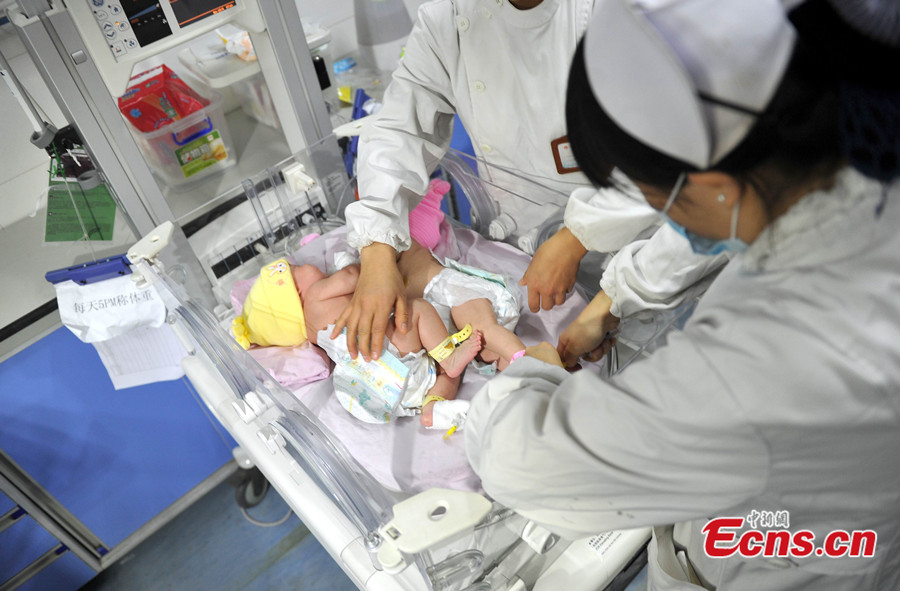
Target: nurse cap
[(687, 77), (272, 313)]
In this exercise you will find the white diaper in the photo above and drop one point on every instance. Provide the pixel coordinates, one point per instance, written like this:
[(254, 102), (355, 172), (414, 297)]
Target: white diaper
[(377, 390), (459, 284)]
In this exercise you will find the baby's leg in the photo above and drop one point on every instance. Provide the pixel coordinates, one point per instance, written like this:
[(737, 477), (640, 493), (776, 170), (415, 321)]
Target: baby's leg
[(428, 330), (433, 333), (498, 340), (445, 387)]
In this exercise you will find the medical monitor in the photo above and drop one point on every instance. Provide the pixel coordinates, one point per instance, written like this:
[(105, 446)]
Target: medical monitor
[(119, 33)]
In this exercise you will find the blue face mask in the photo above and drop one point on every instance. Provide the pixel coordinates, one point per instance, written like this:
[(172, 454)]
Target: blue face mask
[(702, 244)]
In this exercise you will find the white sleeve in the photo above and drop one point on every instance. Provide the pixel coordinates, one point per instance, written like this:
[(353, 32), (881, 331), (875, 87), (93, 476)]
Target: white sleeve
[(662, 443), (409, 135), (657, 273), (605, 220)]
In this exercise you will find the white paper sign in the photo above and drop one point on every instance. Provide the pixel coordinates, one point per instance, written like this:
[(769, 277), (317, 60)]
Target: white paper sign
[(126, 324), (100, 311)]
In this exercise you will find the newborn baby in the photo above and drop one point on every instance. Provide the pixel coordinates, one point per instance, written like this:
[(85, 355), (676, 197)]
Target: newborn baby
[(291, 304)]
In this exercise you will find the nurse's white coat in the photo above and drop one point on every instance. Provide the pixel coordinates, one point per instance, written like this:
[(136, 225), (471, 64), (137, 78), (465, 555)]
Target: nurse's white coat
[(782, 393)]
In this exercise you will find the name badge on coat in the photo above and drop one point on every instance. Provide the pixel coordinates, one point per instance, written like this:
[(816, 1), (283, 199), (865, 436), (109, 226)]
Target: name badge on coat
[(563, 157)]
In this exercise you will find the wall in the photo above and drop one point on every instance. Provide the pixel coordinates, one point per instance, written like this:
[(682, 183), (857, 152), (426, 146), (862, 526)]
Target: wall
[(337, 16)]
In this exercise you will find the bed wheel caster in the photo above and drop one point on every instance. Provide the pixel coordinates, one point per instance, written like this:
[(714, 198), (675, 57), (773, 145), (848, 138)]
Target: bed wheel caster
[(250, 487)]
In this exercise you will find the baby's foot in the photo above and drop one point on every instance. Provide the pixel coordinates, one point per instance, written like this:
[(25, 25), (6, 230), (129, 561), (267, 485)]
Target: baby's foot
[(457, 361)]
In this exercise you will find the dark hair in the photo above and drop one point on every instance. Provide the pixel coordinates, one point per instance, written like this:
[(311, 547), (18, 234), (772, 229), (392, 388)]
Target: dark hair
[(864, 53), (794, 140)]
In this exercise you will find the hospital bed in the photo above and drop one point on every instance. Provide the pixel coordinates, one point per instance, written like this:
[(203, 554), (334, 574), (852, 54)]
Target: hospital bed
[(395, 505)]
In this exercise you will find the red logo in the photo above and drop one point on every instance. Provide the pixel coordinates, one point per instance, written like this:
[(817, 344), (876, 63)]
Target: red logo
[(770, 537)]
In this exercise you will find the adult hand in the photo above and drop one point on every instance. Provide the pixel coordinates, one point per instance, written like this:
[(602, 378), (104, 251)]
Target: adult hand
[(379, 290), (545, 352), (587, 336), (551, 274)]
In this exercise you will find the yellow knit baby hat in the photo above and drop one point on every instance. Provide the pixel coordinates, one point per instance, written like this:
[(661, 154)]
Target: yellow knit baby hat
[(273, 313)]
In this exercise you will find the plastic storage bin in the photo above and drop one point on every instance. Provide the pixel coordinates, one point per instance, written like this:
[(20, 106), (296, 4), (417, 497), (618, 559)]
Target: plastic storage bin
[(192, 148)]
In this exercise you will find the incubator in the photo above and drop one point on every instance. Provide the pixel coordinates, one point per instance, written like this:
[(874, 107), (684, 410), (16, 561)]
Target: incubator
[(396, 505)]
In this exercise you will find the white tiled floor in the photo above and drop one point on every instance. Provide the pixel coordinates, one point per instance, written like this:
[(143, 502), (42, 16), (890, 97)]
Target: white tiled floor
[(20, 193)]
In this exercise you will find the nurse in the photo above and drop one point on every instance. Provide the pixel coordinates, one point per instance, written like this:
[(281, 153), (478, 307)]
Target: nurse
[(502, 66), (778, 404)]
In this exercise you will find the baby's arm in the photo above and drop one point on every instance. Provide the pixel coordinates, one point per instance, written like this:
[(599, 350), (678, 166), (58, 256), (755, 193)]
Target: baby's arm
[(340, 283)]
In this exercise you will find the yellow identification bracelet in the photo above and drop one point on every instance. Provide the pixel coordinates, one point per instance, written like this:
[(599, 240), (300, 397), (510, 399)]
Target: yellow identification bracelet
[(450, 344)]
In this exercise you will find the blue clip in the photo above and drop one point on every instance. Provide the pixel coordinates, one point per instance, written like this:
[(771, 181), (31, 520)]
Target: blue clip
[(93, 272), (358, 113)]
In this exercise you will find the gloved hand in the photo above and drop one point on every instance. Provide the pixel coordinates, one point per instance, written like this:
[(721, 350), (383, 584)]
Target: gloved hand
[(379, 290), (551, 274), (587, 336)]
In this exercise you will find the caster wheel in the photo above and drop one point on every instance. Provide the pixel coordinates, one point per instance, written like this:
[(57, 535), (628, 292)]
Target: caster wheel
[(252, 490)]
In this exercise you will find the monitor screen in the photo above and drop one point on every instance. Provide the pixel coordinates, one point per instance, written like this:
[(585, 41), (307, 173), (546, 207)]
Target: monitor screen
[(191, 11), (147, 20)]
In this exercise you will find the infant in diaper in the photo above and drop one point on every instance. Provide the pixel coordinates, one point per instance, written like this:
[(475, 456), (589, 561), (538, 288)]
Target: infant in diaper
[(418, 374)]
